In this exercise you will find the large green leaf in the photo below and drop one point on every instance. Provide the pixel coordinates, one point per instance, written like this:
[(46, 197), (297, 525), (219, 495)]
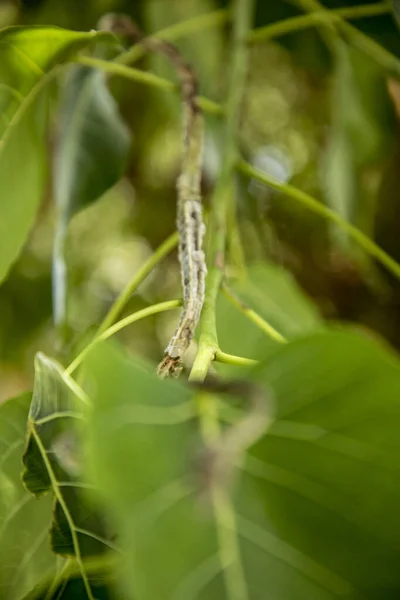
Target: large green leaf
[(145, 454), (25, 555), (329, 469), (29, 57), (148, 493), (52, 462), (90, 157)]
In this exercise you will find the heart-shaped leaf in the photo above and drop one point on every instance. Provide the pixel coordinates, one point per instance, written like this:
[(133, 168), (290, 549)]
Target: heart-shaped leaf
[(148, 489), (179, 543)]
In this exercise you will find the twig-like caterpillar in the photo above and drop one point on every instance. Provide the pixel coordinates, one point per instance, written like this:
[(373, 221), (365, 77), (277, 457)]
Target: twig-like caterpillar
[(189, 208)]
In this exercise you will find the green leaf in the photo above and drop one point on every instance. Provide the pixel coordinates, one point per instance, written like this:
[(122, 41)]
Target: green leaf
[(90, 158), (93, 141), (147, 493), (178, 543), (29, 59), (52, 463), (328, 470), (273, 293), (25, 555)]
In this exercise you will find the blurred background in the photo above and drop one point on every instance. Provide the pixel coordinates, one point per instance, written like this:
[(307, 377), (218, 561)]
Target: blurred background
[(318, 113)]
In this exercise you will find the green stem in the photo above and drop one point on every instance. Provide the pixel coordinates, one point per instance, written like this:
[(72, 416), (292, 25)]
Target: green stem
[(119, 304), (140, 314), (320, 209), (146, 78), (252, 315), (174, 32), (231, 359), (316, 18), (236, 253), (221, 202), (208, 339), (205, 355), (60, 278)]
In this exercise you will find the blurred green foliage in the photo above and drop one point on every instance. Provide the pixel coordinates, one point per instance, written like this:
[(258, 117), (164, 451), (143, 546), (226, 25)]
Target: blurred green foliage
[(313, 510), (293, 105)]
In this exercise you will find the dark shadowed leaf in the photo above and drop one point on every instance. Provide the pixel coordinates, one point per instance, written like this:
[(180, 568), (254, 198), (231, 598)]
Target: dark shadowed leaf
[(93, 141), (29, 59), (74, 589), (25, 555), (65, 583), (52, 462)]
